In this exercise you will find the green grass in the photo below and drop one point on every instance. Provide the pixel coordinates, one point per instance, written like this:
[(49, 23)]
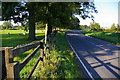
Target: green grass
[(107, 36), (60, 62), (13, 39), (26, 70)]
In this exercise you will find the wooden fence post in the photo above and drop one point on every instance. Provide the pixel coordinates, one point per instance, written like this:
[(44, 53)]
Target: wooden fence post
[(0, 65), (11, 67), (46, 35), (42, 52), (2, 54)]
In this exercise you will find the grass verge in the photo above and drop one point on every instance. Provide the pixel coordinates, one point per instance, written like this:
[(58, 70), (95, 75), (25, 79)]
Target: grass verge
[(60, 62), (106, 36)]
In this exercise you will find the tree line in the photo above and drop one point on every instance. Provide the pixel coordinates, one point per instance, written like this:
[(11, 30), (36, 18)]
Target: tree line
[(96, 27), (7, 25)]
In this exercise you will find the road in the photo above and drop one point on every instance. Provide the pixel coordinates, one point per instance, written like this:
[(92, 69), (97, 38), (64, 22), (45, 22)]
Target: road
[(99, 59)]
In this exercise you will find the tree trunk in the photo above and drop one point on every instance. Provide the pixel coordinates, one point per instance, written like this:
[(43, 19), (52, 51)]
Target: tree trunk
[(49, 21), (31, 23), (49, 29)]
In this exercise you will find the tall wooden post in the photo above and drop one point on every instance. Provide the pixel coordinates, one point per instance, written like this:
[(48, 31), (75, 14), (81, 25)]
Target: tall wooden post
[(1, 65), (11, 67), (46, 31)]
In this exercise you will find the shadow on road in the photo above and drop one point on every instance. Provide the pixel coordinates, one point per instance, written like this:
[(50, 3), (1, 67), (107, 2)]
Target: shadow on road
[(100, 57)]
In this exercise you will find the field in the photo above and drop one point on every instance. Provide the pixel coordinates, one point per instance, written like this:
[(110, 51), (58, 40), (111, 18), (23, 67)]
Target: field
[(107, 36), (13, 38), (59, 63)]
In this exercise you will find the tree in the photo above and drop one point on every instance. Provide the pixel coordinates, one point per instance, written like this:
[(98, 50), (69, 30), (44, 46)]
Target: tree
[(19, 13), (95, 26), (84, 27), (8, 10), (7, 25), (60, 14), (113, 27)]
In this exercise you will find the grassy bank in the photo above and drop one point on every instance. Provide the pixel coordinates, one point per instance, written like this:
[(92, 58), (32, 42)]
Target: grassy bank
[(107, 36), (60, 62), (13, 38)]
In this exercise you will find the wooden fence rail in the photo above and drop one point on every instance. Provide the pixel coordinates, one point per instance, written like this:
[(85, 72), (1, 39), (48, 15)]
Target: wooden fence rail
[(11, 69)]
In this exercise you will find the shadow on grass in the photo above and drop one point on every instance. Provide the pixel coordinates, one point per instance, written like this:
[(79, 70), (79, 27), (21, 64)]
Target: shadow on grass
[(13, 40)]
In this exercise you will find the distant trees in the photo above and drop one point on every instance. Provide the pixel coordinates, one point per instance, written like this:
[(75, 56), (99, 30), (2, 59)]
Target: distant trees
[(113, 27), (7, 25), (84, 27), (95, 27)]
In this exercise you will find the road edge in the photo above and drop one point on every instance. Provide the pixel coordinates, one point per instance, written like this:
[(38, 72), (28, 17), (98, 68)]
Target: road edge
[(90, 75)]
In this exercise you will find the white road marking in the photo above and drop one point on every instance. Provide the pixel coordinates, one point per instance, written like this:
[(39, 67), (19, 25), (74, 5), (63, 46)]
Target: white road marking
[(81, 61)]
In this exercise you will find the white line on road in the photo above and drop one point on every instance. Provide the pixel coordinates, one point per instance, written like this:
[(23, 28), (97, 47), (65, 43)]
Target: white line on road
[(81, 61)]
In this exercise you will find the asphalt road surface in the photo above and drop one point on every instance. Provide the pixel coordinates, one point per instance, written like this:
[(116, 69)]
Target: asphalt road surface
[(99, 59)]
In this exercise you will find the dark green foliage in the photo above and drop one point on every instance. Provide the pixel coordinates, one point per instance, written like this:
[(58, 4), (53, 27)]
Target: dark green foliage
[(59, 14), (52, 13), (8, 10)]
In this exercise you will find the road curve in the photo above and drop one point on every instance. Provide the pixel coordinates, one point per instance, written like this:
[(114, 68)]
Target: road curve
[(99, 59)]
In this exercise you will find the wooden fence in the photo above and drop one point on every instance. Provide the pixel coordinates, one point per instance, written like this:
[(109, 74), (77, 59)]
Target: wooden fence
[(11, 69)]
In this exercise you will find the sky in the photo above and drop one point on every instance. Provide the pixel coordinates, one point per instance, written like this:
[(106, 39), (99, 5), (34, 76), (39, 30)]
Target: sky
[(107, 13)]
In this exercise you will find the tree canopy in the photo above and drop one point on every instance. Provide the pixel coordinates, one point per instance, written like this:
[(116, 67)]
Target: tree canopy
[(58, 14)]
